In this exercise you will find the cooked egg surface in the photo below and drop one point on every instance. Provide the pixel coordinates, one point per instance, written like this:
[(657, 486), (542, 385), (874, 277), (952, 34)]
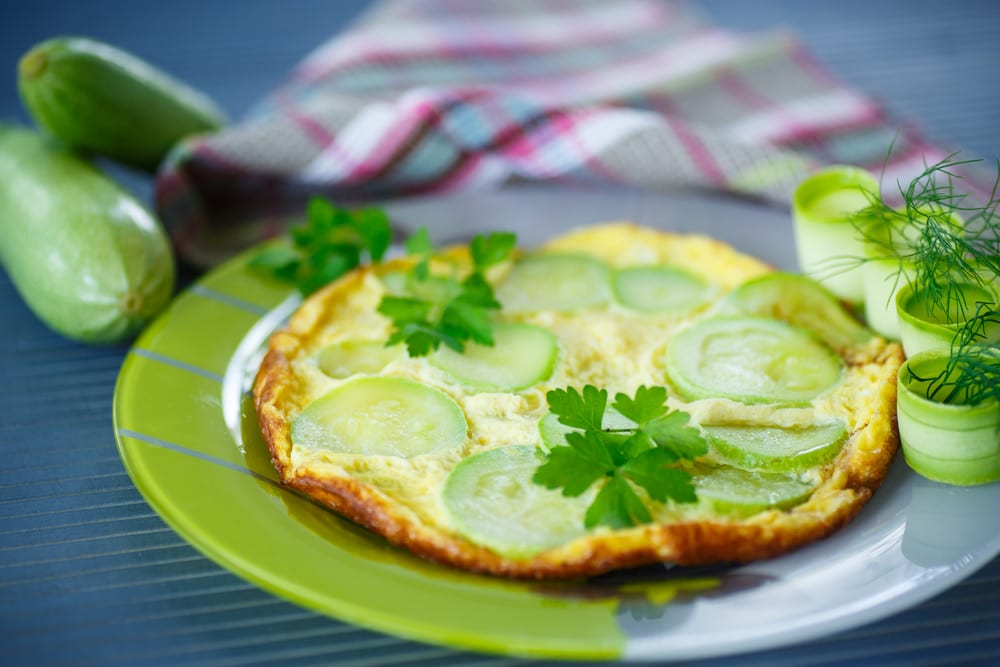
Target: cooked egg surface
[(606, 345)]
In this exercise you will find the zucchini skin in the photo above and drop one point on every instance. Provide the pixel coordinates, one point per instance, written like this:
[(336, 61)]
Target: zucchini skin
[(89, 260), (99, 99)]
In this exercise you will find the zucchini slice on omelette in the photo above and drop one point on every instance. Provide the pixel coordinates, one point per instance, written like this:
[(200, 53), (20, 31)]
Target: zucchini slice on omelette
[(438, 453)]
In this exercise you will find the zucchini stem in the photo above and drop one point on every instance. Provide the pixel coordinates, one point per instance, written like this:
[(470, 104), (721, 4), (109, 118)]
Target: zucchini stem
[(33, 64)]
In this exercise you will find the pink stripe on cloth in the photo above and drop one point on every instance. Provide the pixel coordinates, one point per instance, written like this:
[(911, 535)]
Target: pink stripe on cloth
[(434, 95), (735, 86), (418, 115), (312, 128), (588, 159), (696, 150), (489, 30)]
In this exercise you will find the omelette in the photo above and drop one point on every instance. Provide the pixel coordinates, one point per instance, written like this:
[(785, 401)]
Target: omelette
[(439, 453)]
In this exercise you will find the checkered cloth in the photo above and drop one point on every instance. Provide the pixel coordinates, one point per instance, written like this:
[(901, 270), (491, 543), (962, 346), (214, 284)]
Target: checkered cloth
[(442, 95)]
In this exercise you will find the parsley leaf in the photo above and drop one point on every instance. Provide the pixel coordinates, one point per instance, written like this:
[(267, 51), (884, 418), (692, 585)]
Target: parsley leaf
[(642, 456), (580, 410), (475, 291), (470, 322), (422, 338), (575, 467), (651, 470), (404, 310), (617, 506), (419, 243), (443, 309), (672, 432), (331, 242), (647, 405), (490, 250)]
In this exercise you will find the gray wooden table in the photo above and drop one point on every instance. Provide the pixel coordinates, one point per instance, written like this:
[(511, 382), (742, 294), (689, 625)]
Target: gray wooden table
[(90, 575)]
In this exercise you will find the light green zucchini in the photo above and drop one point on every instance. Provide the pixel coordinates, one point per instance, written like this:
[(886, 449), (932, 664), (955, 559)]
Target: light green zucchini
[(85, 255)]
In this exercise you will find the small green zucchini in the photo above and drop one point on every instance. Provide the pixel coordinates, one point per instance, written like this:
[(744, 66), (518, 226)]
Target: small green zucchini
[(85, 255), (99, 99)]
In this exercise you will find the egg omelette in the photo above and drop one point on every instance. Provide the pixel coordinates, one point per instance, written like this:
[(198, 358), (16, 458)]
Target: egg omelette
[(466, 499)]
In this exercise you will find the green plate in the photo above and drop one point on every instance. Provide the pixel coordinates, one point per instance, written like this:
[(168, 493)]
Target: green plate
[(188, 436)]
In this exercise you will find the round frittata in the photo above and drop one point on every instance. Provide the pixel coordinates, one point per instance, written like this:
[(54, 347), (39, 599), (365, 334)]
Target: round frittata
[(795, 399)]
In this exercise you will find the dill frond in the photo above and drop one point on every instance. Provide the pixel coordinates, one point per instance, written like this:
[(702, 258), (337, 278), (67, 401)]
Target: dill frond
[(972, 374), (938, 237)]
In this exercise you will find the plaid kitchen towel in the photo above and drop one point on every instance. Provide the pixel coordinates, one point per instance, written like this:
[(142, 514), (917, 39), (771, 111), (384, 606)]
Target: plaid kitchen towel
[(440, 95)]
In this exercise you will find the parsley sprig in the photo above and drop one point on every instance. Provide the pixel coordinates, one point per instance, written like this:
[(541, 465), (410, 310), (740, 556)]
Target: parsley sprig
[(616, 459), (330, 243), (446, 309)]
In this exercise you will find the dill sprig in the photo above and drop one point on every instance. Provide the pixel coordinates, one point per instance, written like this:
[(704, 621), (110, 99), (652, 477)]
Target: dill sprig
[(972, 373), (938, 236)]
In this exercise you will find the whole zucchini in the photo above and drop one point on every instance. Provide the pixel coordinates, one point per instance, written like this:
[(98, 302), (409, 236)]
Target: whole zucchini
[(86, 256), (99, 99)]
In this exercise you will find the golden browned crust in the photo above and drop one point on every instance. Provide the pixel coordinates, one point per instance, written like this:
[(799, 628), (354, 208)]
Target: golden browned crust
[(847, 483)]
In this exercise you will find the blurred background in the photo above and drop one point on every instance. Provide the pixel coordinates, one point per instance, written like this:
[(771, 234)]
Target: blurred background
[(926, 60)]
